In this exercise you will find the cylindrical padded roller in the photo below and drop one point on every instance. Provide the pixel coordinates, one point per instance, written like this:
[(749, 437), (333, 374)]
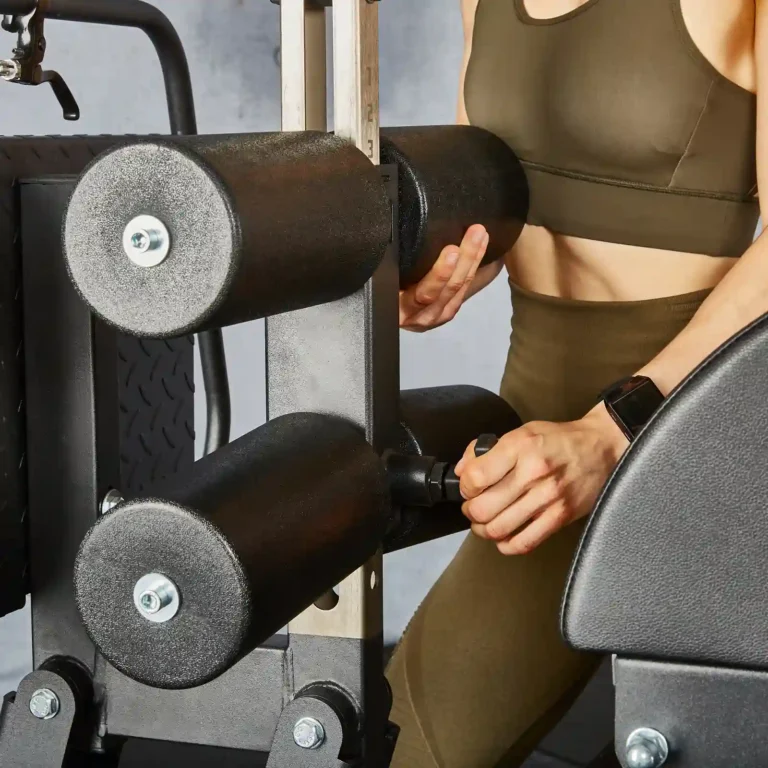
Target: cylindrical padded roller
[(253, 225), (451, 177), (248, 538), (441, 422)]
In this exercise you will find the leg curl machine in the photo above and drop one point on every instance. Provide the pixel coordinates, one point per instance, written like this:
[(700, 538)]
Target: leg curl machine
[(159, 585)]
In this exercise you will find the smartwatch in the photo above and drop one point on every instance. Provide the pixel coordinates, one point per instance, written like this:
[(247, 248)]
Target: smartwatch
[(631, 403)]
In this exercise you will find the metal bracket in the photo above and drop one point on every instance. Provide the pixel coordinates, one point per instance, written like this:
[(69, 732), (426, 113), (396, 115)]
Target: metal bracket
[(25, 67), (315, 729), (36, 722), (321, 751), (707, 716)]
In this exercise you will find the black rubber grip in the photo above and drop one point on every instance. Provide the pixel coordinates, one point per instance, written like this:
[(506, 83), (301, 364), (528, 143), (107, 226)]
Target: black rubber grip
[(484, 444), (451, 490)]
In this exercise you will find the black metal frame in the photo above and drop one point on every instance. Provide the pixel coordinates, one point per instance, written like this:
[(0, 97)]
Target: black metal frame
[(181, 112), (81, 376), (87, 385), (88, 388), (712, 716)]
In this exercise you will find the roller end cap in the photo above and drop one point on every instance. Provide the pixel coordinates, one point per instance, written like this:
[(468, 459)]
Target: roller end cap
[(162, 595), (150, 239)]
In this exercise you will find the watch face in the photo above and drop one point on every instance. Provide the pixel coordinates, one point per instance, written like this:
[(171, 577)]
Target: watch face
[(635, 403)]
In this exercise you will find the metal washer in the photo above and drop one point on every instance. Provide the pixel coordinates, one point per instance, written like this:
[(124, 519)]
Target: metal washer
[(152, 257), (152, 582)]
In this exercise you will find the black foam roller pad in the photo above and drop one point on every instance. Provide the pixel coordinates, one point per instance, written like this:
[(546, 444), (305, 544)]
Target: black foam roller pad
[(259, 224), (441, 422), (451, 177), (250, 536)]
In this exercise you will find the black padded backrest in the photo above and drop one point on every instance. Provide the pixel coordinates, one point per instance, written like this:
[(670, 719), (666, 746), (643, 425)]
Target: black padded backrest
[(674, 562), (21, 157), (155, 378)]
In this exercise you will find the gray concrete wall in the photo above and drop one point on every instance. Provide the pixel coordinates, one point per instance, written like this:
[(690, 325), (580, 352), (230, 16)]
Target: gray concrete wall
[(232, 46)]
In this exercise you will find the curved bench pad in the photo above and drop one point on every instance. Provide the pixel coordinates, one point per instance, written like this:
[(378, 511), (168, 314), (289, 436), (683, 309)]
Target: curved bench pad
[(674, 562)]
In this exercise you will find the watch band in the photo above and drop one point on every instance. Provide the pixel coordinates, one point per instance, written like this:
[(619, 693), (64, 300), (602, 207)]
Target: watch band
[(631, 402)]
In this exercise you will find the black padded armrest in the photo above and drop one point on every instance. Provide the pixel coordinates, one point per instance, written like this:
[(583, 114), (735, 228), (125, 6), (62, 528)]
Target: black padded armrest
[(674, 562)]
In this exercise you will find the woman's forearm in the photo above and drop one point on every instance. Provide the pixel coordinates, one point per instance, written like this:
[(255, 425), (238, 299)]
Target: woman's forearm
[(740, 298)]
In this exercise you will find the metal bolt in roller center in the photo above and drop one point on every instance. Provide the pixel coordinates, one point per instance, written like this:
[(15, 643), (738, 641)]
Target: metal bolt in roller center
[(156, 598), (146, 241)]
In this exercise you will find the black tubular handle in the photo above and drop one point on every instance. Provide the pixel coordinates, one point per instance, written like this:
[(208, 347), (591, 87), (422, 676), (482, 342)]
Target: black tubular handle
[(181, 111), (17, 7), (156, 25), (213, 362)]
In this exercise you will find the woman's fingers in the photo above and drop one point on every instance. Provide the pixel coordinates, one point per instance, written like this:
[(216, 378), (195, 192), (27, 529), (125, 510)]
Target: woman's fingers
[(425, 305), (472, 250), (551, 520), (422, 295), (479, 473), (540, 497), (456, 290), (501, 496)]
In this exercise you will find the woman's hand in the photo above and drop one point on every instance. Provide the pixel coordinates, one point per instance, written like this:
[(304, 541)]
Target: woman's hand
[(538, 479), (438, 297)]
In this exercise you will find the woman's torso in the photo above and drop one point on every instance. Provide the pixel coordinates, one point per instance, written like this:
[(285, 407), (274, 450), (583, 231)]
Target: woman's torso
[(574, 267)]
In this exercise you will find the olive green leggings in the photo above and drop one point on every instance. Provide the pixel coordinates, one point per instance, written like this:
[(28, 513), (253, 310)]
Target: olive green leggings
[(482, 673)]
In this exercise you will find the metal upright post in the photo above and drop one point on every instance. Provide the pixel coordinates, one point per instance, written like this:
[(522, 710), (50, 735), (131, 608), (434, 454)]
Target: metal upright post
[(356, 73), (340, 358), (303, 57)]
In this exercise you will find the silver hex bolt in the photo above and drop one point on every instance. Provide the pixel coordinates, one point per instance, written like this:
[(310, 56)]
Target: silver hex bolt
[(146, 241), (44, 704), (110, 501), (156, 598), (646, 748), (308, 733)]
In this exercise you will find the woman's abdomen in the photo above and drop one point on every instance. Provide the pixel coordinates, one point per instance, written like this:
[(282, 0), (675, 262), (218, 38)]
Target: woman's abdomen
[(588, 270), (564, 351)]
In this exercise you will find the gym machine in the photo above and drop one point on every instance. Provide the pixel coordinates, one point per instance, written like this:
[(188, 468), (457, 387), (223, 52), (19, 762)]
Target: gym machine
[(160, 586)]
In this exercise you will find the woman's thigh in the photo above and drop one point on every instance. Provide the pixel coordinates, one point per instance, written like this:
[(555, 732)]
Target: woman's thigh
[(482, 672)]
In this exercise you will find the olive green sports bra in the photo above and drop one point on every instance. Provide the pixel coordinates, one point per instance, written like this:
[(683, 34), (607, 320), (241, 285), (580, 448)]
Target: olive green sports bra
[(628, 134)]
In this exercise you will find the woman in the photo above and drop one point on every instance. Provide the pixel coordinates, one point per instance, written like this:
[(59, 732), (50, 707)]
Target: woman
[(638, 123)]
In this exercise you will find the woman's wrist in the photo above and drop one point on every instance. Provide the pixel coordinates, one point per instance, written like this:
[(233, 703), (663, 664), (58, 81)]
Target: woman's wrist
[(613, 438)]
